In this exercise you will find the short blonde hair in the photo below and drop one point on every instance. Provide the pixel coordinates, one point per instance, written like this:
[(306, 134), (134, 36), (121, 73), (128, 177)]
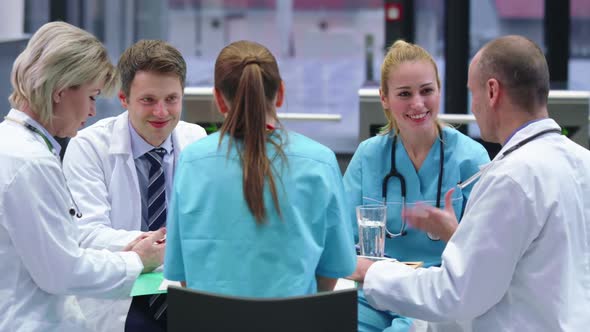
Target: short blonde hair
[(58, 56), (401, 52)]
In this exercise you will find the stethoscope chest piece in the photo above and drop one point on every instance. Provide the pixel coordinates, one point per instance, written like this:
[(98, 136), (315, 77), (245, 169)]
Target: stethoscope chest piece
[(433, 237)]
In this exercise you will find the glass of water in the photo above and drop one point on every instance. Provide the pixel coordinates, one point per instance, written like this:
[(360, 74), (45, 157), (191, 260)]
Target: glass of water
[(371, 221)]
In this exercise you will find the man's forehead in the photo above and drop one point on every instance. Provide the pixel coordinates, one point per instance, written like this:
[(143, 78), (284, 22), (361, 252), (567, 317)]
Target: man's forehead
[(473, 66)]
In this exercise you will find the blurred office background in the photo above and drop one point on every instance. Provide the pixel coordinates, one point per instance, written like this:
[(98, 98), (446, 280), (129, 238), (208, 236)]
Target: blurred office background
[(327, 49)]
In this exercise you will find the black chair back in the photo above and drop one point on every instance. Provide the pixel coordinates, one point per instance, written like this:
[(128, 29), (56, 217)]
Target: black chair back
[(191, 310)]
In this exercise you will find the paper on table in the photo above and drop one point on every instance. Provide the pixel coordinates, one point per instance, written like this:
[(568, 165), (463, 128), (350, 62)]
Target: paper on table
[(147, 283), (414, 265), (165, 283), (345, 284), (151, 283)]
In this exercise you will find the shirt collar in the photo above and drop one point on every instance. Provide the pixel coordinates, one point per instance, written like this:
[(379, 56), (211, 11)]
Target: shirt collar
[(520, 128), (22, 116), (139, 146)]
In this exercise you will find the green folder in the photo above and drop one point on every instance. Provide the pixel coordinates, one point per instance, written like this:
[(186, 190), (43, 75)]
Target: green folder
[(148, 284)]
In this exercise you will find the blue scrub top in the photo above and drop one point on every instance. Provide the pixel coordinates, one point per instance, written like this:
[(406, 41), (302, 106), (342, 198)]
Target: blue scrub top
[(372, 161), (215, 244)]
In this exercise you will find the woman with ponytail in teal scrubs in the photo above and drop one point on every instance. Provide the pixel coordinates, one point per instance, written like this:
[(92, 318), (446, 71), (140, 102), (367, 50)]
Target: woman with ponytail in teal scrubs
[(257, 211)]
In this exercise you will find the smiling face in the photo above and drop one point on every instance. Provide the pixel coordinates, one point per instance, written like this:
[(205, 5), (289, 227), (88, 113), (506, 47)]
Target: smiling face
[(154, 104), (413, 97), (72, 107)]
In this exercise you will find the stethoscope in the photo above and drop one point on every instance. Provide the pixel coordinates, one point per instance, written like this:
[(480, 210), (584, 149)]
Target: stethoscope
[(517, 146), (74, 211), (394, 173)]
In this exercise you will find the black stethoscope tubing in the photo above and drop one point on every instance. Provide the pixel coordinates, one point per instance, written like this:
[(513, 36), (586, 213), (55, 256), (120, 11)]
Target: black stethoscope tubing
[(527, 140), (394, 173)]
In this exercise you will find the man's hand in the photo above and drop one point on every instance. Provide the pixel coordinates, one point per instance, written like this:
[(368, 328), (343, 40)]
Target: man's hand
[(362, 265), (439, 222), (150, 248)]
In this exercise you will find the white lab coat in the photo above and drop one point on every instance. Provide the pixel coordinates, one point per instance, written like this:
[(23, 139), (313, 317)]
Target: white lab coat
[(41, 262), (101, 173), (520, 259)]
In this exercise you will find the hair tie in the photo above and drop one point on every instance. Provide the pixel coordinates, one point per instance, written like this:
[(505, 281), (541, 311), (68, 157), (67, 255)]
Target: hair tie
[(250, 61)]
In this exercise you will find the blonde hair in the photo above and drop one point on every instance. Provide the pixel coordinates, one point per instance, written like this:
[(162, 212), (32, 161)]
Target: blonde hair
[(400, 52), (58, 56)]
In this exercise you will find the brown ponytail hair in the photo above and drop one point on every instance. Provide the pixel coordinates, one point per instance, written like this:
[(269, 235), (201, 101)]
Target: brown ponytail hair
[(247, 76)]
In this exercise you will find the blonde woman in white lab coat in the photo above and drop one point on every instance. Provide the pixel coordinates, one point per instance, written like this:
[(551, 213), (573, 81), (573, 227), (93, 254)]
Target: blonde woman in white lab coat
[(519, 260), (55, 81)]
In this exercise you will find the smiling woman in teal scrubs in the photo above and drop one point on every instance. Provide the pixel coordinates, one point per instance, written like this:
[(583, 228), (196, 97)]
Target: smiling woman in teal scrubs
[(257, 211), (430, 157)]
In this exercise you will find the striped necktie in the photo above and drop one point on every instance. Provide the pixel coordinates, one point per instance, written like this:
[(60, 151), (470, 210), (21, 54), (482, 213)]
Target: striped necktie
[(157, 215), (156, 189)]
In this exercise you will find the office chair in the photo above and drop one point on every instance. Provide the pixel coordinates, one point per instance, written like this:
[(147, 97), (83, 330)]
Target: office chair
[(191, 310)]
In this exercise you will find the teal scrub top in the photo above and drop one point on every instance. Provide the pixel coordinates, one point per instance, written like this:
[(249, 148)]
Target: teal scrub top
[(372, 161), (215, 244)]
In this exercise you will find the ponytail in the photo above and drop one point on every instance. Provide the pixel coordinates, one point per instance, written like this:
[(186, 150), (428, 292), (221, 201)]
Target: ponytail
[(250, 104)]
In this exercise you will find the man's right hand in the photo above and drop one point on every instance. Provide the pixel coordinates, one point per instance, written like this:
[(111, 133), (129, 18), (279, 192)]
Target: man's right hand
[(439, 222), (362, 266), (151, 250)]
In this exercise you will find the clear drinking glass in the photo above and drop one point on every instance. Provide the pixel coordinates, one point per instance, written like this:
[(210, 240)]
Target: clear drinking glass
[(371, 222)]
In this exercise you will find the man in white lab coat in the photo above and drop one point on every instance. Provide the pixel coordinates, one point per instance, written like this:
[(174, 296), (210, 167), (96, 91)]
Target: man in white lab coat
[(520, 259), (108, 169)]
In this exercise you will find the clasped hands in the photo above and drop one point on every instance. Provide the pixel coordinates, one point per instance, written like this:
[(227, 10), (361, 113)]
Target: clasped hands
[(150, 246)]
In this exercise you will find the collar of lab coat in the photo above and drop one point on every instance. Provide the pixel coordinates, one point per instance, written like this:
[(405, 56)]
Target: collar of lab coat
[(21, 116), (121, 138), (527, 132), (518, 136)]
